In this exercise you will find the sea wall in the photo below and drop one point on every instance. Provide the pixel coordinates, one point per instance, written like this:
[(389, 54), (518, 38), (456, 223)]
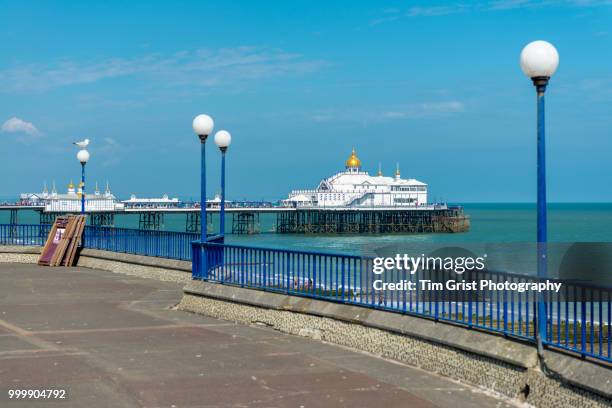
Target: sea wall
[(168, 270), (19, 254)]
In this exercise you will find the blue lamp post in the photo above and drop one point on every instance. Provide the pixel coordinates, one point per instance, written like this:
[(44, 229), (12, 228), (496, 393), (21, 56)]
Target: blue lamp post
[(203, 126), (222, 139), (83, 158), (539, 61)]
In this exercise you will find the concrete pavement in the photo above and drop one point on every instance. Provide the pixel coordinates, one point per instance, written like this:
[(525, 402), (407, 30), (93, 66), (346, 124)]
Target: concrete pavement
[(115, 341)]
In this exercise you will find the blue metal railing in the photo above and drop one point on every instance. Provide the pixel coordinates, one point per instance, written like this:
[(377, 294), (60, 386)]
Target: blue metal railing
[(161, 244), (22, 234), (578, 317)]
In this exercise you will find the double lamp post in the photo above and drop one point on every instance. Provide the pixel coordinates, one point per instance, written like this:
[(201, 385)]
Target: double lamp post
[(203, 126)]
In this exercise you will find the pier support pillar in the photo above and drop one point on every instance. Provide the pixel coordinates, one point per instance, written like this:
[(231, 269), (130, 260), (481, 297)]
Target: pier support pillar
[(47, 218), (246, 223), (151, 221), (102, 219), (192, 222)]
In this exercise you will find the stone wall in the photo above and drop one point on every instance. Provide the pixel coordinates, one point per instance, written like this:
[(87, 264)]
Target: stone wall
[(19, 254), (168, 270)]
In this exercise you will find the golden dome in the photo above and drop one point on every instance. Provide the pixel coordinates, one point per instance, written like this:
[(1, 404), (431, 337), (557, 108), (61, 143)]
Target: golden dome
[(353, 161), (71, 185)]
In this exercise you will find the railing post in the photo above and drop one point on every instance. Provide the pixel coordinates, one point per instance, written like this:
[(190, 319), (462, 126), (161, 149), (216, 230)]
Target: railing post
[(343, 281), (314, 274), (505, 313), (242, 268), (265, 268), (470, 311), (287, 271), (583, 321)]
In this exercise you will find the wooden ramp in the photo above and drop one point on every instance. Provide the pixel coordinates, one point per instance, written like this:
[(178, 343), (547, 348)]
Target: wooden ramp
[(63, 241)]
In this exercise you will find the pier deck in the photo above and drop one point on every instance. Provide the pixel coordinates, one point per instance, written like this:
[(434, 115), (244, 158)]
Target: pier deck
[(299, 220)]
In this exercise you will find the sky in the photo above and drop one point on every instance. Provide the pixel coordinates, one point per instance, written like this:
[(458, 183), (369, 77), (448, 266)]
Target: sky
[(433, 86)]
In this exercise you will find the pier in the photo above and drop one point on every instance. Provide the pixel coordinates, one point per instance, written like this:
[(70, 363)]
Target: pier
[(288, 220), (372, 221)]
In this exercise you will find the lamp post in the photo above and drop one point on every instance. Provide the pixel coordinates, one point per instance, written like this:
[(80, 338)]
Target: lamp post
[(203, 126), (539, 61), (83, 158), (222, 139)]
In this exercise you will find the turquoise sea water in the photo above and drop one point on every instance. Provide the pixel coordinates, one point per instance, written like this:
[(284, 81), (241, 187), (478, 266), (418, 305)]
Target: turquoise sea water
[(490, 223), (504, 232)]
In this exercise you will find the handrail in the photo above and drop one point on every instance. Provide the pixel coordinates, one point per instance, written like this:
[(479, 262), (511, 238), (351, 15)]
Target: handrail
[(578, 317)]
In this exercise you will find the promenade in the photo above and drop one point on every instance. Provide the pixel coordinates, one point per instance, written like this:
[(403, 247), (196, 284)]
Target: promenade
[(115, 341)]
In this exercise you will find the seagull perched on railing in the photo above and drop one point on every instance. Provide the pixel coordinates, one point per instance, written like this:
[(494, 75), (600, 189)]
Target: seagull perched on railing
[(82, 144)]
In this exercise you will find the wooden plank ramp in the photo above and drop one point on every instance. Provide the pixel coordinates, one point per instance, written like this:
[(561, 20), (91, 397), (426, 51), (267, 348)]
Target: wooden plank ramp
[(63, 240)]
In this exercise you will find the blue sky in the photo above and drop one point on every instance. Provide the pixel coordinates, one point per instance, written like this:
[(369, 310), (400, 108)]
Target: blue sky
[(435, 86)]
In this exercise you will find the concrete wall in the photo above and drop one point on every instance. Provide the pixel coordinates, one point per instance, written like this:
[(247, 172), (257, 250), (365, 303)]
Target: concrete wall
[(19, 254), (492, 362), (168, 270)]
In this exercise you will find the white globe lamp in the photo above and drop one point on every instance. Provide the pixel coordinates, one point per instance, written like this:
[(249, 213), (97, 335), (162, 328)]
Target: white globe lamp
[(223, 139), (83, 156), (203, 126), (539, 61)]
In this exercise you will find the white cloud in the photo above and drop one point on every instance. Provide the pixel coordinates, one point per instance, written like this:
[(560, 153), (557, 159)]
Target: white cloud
[(109, 152), (424, 110), (370, 115), (200, 68), (435, 10), (427, 10), (110, 141), (322, 117), (16, 125)]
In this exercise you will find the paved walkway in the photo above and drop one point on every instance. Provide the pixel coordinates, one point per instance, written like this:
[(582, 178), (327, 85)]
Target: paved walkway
[(115, 341)]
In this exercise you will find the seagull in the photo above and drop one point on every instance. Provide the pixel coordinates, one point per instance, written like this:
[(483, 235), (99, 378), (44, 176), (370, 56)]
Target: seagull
[(82, 144)]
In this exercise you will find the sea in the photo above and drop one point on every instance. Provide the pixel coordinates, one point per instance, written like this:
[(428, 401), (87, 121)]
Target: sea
[(505, 232), (490, 222)]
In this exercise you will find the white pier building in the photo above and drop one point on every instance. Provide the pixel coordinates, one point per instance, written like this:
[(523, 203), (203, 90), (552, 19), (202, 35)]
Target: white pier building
[(354, 188), (71, 201), (162, 202)]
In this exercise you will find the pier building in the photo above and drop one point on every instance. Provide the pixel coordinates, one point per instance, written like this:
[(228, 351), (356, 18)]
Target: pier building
[(356, 188), (162, 202), (349, 202), (70, 202)]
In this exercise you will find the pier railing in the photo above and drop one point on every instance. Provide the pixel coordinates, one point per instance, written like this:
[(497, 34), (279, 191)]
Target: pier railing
[(578, 316), (24, 234), (162, 244)]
